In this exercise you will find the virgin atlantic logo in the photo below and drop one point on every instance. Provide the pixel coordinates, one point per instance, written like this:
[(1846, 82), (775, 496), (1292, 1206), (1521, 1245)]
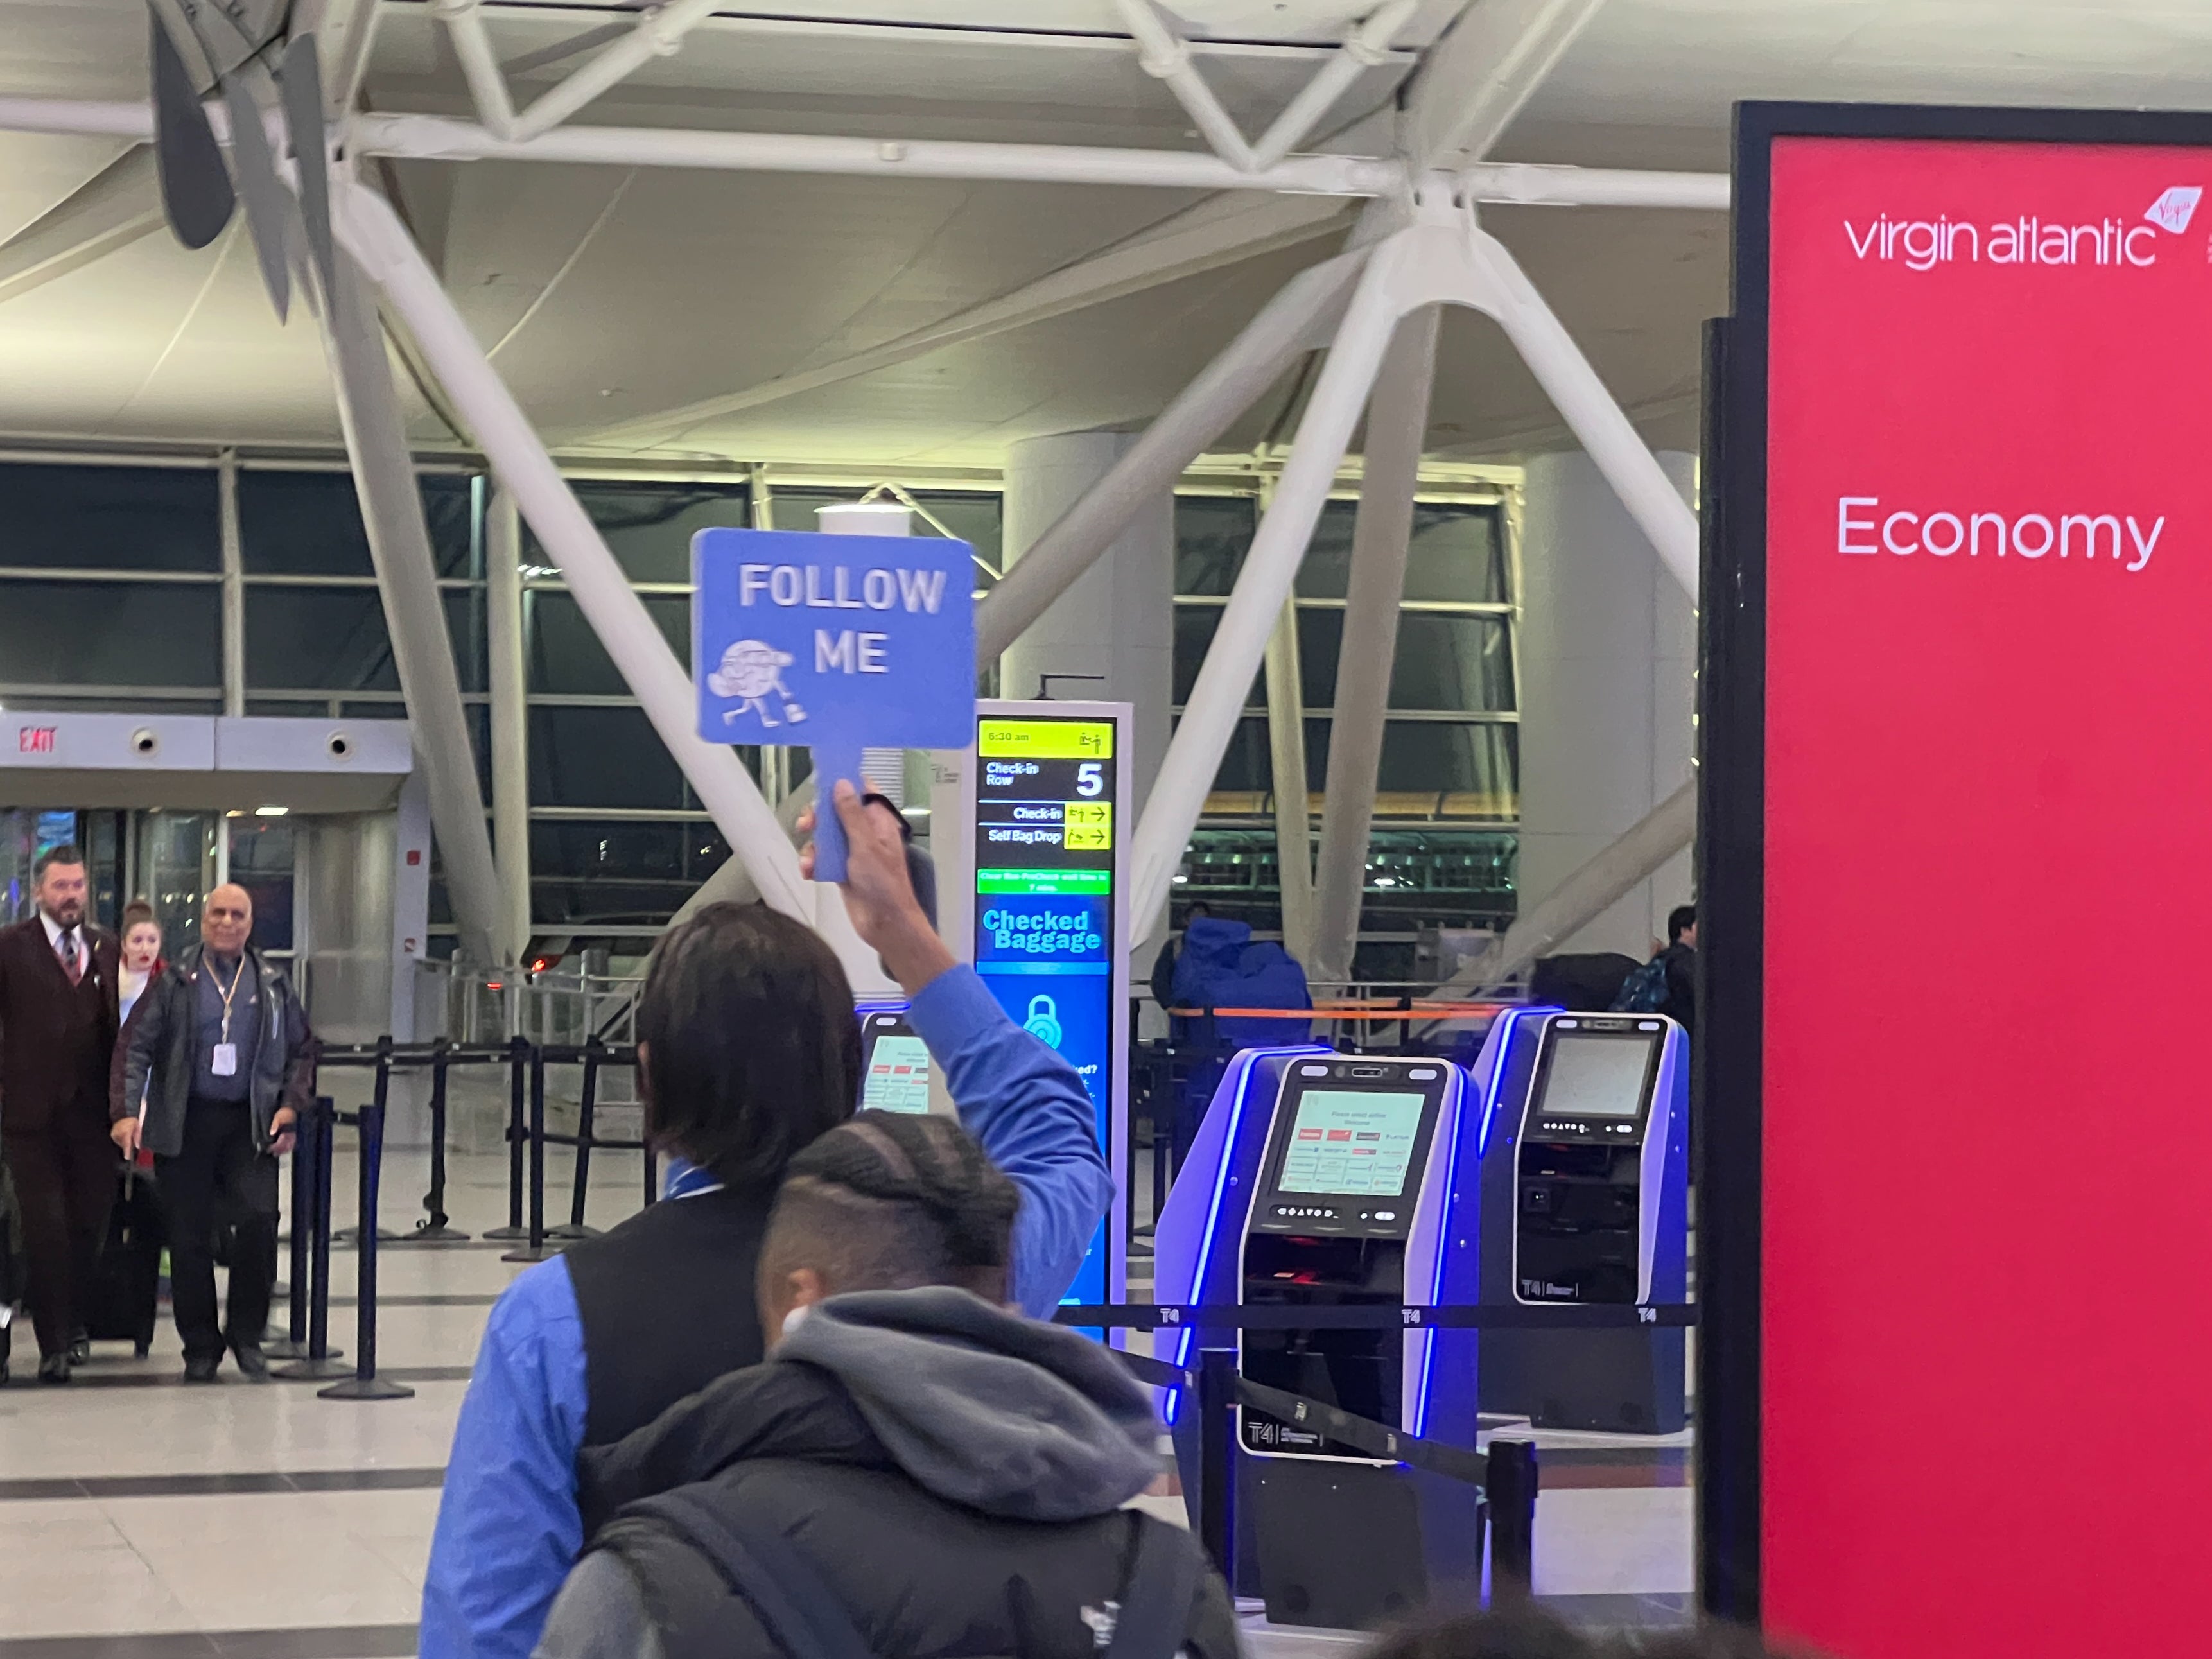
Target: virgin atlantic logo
[(2121, 243)]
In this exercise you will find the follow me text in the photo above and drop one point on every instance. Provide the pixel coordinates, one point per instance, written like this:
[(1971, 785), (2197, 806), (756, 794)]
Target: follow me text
[(849, 651)]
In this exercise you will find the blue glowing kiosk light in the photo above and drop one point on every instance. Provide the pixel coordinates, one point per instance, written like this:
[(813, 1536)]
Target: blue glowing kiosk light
[(1034, 819)]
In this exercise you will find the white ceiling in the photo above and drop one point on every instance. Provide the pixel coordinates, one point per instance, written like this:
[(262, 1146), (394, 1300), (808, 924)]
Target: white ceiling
[(610, 294)]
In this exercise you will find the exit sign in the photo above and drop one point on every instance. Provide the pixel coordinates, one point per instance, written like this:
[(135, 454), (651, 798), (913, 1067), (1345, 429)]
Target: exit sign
[(35, 739)]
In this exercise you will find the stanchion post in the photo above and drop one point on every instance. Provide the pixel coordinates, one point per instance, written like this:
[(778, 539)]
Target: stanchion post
[(435, 1227), (587, 1102), (365, 1384), (351, 1236), (519, 1052), (1511, 1494), (293, 1345), (1214, 1515), (533, 1248), (317, 1147)]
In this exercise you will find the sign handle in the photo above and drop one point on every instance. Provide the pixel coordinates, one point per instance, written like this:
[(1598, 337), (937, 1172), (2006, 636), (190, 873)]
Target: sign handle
[(833, 759)]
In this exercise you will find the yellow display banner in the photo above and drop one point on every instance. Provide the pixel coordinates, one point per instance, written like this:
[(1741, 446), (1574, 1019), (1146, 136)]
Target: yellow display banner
[(1045, 740), (1087, 826)]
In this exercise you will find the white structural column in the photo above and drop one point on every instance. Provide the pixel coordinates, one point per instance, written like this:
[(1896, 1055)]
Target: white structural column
[(1287, 770), (661, 684), (1607, 646), (510, 722), (1397, 422), (407, 577), (1115, 621)]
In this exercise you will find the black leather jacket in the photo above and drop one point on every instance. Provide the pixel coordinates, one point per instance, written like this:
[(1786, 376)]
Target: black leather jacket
[(161, 1034)]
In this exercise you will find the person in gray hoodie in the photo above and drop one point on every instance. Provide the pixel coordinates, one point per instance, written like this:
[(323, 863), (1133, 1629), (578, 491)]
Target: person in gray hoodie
[(914, 1469)]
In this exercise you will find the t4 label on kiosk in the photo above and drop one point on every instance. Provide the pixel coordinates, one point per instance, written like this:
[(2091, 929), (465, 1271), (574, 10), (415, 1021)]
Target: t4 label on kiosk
[(836, 643)]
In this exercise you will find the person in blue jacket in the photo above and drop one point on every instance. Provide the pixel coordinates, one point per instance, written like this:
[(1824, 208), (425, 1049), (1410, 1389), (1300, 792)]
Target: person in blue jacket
[(748, 1048)]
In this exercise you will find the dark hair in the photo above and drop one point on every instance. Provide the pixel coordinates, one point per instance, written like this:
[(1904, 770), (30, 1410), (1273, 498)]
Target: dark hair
[(1526, 1633), (1680, 920), (1198, 907), (753, 1047), (67, 853), (891, 1200), (136, 912)]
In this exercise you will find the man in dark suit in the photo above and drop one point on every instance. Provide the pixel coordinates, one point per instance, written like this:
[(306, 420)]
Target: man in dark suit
[(57, 1022)]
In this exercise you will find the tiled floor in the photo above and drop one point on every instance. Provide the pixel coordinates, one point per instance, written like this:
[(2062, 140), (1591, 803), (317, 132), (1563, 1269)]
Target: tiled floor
[(143, 1520)]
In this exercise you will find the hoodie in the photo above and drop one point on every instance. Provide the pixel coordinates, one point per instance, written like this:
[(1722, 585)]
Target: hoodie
[(954, 1474), (1223, 967)]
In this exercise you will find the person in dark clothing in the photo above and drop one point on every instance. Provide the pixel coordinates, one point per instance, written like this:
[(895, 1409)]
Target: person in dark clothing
[(220, 1055), (1667, 984), (748, 1049), (1163, 965), (58, 1024), (936, 1474)]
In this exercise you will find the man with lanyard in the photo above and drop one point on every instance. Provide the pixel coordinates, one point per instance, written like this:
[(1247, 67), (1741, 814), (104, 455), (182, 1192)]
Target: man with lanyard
[(221, 1053), (748, 1048)]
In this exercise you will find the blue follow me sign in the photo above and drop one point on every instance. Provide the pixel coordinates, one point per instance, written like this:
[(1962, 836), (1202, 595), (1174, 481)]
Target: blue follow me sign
[(800, 638)]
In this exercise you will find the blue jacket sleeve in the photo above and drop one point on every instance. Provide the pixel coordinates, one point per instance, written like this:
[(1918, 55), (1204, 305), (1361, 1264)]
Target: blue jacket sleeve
[(509, 1529), (1030, 1111)]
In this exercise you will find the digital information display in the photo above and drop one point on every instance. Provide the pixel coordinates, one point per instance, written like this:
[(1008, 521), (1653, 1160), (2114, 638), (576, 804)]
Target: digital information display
[(1353, 1143), (1045, 829), (898, 1074), (1595, 1077), (1965, 533)]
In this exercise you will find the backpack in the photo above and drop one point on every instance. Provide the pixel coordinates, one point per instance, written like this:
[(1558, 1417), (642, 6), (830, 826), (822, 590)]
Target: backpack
[(1645, 991), (803, 1617)]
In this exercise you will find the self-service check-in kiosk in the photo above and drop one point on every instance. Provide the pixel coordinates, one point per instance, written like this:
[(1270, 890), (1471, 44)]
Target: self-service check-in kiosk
[(1585, 1194), (895, 1065), (1328, 1180)]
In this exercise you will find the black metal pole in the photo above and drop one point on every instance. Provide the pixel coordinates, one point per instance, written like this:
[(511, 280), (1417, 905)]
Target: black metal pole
[(1512, 1490), (317, 1136), (533, 1248), (365, 1384), (294, 1343), (1216, 1509), (436, 1226), (351, 1236), (588, 1104), (517, 1053)]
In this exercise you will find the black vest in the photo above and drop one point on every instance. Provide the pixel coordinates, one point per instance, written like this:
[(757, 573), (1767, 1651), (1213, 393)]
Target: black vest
[(666, 1304)]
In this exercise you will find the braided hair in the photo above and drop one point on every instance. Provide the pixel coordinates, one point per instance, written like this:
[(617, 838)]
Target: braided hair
[(891, 1200)]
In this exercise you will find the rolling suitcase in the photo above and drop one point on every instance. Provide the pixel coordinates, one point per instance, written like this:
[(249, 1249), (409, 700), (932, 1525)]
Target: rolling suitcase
[(126, 1284)]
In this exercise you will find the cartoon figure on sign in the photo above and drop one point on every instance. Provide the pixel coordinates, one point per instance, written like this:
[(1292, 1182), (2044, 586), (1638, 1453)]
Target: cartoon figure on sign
[(1043, 1022), (750, 671)]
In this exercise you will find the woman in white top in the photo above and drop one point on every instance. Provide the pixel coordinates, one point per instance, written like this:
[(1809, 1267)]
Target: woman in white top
[(142, 955)]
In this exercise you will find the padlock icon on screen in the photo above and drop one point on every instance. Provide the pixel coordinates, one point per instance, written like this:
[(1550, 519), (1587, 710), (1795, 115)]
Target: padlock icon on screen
[(1043, 1021)]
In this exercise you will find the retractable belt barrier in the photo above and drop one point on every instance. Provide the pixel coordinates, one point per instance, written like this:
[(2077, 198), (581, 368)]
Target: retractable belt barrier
[(438, 1058), (594, 1057), (1561, 1316), (1507, 1474), (527, 1135)]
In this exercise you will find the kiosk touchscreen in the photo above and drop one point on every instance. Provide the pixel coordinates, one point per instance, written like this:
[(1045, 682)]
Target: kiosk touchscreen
[(1330, 1227), (894, 1063), (1586, 1200)]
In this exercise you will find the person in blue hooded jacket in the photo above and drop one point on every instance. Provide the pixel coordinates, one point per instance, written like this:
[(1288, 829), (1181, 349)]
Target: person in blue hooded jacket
[(1223, 966), (748, 1049)]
